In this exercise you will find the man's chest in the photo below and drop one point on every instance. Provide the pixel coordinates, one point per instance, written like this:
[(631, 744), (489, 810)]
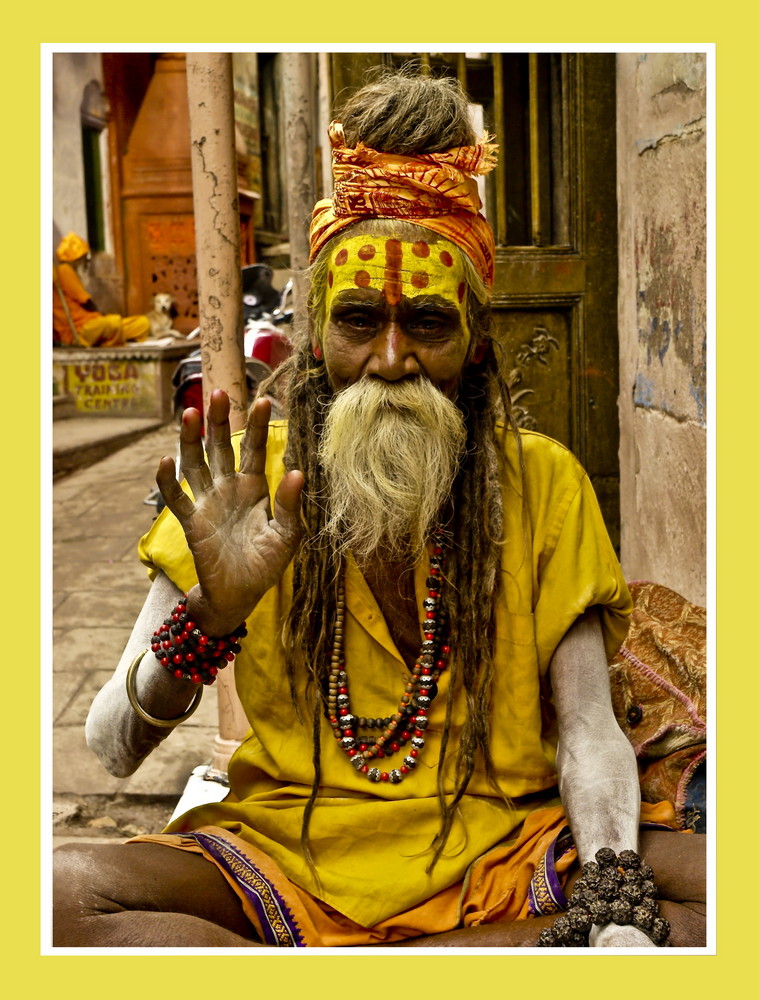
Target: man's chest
[(392, 586)]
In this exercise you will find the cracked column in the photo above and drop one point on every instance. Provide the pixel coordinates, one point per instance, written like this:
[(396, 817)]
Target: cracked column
[(217, 228), (217, 247), (299, 95)]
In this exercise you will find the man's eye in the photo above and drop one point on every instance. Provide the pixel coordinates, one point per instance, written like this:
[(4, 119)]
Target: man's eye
[(429, 324), (357, 320)]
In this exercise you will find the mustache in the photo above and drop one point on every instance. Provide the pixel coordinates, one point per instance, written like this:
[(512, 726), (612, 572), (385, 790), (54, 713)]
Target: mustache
[(406, 395)]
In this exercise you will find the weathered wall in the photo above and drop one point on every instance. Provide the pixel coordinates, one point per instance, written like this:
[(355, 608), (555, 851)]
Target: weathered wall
[(661, 163), (73, 72)]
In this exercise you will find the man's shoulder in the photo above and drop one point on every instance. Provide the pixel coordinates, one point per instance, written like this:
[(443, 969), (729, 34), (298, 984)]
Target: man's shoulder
[(541, 470), (538, 450)]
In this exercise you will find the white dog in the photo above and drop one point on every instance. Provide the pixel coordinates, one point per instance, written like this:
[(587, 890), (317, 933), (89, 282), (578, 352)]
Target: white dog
[(161, 321)]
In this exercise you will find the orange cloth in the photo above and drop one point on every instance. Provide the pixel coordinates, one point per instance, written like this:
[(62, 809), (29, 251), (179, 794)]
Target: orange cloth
[(495, 888), (76, 295), (434, 190)]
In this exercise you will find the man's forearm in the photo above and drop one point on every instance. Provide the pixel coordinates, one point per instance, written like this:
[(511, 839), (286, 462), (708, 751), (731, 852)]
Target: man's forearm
[(119, 737), (598, 776), (598, 783)]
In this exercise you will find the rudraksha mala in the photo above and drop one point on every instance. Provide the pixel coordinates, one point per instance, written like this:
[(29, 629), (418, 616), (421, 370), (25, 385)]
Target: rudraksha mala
[(611, 889), (187, 652)]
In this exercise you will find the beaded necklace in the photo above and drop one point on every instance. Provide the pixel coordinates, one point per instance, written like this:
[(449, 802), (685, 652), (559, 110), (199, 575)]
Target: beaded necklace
[(409, 723)]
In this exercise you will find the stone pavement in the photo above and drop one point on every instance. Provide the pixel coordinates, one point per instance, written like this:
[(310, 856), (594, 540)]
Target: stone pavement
[(99, 586)]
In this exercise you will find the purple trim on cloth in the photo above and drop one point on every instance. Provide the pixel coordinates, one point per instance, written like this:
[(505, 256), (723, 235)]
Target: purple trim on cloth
[(278, 925), (545, 894)]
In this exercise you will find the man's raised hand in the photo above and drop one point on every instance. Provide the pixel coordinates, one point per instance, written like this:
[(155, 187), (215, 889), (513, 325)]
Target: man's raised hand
[(240, 550)]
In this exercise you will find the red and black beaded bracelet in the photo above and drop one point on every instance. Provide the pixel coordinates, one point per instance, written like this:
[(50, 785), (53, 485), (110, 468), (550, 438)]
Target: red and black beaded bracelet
[(187, 652)]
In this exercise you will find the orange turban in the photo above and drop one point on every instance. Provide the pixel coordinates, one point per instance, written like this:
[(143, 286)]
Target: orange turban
[(434, 190), (72, 247)]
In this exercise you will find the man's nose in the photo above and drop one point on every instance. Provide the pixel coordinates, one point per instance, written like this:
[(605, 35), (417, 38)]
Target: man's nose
[(394, 355)]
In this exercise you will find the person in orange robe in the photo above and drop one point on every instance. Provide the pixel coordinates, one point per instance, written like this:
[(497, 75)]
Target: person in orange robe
[(76, 319)]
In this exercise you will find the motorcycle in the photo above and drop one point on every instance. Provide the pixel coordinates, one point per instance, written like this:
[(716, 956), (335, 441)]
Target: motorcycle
[(266, 344)]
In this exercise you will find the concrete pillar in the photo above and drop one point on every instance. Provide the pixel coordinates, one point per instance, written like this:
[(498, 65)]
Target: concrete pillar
[(324, 117), (299, 89), (217, 241), (217, 227)]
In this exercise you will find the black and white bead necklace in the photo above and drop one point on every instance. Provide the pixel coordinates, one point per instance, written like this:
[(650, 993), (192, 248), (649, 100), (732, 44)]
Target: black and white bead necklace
[(409, 722)]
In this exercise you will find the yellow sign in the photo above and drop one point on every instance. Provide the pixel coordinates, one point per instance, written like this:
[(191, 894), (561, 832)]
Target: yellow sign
[(104, 385)]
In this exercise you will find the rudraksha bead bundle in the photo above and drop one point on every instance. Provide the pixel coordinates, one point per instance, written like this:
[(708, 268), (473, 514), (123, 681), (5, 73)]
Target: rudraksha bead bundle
[(187, 652), (611, 889)]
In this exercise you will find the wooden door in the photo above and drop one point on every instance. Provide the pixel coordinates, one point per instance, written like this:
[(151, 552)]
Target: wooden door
[(552, 202), (552, 205)]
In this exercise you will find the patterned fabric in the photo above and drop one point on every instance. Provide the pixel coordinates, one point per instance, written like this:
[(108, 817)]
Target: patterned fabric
[(658, 682), (274, 919), (434, 190), (546, 894)]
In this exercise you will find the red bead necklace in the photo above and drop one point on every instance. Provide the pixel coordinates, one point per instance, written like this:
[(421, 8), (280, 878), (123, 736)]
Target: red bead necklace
[(409, 722)]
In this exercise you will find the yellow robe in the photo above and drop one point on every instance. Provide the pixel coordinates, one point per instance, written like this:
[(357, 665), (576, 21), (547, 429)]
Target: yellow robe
[(371, 841)]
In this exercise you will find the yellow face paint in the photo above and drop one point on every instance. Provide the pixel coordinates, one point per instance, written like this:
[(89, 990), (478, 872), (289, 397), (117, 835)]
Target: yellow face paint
[(397, 268)]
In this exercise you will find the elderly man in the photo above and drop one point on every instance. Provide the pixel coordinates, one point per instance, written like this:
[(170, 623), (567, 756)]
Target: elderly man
[(422, 601), (76, 320)]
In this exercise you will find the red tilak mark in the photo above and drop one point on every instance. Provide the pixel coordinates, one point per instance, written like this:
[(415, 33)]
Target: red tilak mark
[(366, 252), (393, 260), (362, 279), (421, 249), (420, 280)]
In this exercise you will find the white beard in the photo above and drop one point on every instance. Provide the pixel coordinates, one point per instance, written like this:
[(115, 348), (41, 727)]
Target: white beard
[(390, 452)]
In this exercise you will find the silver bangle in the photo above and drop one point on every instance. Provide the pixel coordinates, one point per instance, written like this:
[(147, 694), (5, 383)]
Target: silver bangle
[(151, 719)]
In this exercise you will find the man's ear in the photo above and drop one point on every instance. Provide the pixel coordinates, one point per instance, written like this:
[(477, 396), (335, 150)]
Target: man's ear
[(313, 337), (478, 353)]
